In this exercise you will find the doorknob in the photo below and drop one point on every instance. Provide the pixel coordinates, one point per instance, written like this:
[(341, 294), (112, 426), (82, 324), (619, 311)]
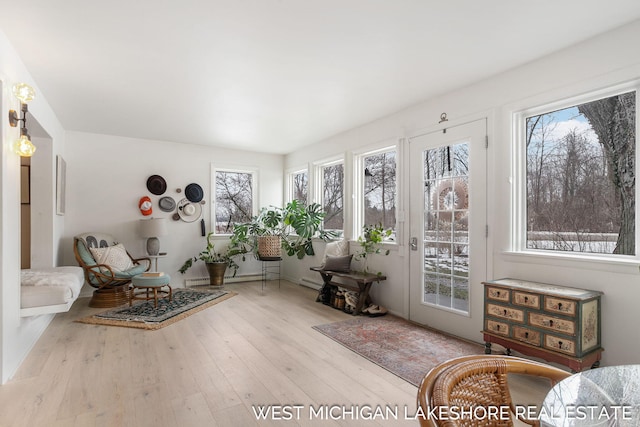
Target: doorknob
[(413, 243)]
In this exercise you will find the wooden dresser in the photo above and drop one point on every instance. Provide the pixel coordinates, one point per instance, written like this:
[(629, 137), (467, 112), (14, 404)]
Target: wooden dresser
[(555, 323)]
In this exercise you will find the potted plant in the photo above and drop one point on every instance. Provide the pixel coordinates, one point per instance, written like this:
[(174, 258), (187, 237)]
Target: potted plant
[(291, 228), (216, 262), (371, 243)]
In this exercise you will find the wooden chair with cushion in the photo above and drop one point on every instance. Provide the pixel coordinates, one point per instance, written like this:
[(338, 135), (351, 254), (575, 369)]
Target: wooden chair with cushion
[(477, 381), (108, 267)]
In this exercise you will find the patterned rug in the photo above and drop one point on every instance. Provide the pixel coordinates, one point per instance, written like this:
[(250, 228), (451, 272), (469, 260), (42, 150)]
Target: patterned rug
[(402, 348), (144, 315)]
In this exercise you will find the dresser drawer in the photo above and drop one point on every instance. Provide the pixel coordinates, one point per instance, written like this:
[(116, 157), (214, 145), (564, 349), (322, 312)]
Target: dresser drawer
[(526, 299), (498, 294), (499, 328), (527, 335), (553, 323), (559, 305), (505, 312), (560, 344)]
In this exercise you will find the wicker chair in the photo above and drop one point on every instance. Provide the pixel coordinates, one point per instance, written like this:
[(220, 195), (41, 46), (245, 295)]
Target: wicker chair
[(477, 381), (112, 286)]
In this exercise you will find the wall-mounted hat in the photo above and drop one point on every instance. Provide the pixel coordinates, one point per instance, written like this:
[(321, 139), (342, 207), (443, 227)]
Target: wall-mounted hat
[(156, 184), (167, 204), (145, 206), (193, 192), (188, 211)]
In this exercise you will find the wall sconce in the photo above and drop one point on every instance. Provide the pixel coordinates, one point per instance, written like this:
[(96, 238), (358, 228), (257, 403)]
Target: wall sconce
[(23, 145)]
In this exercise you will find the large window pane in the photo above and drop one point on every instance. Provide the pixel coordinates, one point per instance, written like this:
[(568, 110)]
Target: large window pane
[(333, 196), (300, 186), (234, 199), (581, 177), (380, 189)]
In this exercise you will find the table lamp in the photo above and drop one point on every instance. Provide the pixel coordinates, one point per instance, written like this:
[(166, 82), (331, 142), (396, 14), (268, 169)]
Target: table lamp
[(152, 229)]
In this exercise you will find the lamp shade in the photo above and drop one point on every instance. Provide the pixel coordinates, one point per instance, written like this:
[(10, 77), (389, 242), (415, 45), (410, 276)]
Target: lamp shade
[(154, 227)]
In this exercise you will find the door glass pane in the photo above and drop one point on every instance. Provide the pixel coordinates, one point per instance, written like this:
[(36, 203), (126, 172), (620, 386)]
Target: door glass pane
[(446, 231)]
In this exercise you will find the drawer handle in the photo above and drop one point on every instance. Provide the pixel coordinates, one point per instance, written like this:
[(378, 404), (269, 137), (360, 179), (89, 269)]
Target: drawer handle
[(497, 327), (559, 306), (551, 323), (560, 345), (497, 293), (526, 299), (505, 312), (526, 334)]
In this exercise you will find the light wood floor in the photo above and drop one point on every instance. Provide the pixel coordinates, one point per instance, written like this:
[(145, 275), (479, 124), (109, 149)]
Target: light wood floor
[(210, 369)]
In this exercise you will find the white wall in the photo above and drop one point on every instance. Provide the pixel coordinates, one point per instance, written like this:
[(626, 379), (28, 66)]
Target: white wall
[(107, 175), (17, 335), (600, 62)]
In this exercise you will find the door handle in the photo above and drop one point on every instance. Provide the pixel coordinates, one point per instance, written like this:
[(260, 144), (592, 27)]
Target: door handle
[(413, 243)]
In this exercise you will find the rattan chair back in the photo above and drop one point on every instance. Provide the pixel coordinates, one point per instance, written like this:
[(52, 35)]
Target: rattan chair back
[(473, 391)]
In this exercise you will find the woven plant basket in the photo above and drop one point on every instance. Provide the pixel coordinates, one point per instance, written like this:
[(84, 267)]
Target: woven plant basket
[(269, 247)]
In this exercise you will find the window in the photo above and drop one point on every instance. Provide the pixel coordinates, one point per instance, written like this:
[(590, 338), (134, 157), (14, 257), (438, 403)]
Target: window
[(299, 186), (580, 177), (234, 198), (332, 178), (379, 195)]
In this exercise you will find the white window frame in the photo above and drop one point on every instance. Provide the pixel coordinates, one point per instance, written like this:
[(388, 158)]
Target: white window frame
[(358, 185), (254, 191), (519, 169)]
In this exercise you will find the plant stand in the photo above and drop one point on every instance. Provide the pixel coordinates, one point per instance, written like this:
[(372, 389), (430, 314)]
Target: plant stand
[(266, 268)]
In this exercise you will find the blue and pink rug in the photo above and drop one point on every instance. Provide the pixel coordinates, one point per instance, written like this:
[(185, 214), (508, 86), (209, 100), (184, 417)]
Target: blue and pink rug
[(402, 348)]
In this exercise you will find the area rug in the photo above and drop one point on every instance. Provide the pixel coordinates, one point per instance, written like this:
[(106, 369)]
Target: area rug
[(402, 348), (184, 303)]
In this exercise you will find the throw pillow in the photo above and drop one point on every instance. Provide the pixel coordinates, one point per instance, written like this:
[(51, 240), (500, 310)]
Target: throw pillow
[(114, 256), (340, 264), (337, 248)]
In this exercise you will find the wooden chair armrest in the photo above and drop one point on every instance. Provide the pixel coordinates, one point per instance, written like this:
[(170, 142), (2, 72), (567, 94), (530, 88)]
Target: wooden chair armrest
[(137, 261)]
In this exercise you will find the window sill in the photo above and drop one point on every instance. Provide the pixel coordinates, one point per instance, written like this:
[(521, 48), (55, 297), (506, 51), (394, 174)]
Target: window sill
[(589, 262)]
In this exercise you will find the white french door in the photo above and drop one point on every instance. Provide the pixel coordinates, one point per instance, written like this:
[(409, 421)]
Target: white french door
[(448, 227)]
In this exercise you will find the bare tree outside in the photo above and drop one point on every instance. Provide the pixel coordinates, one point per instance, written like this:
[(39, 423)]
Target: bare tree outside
[(380, 190), (333, 196), (300, 186), (234, 200), (581, 177)]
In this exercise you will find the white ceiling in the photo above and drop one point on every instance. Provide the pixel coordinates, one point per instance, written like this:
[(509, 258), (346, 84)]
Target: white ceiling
[(275, 75)]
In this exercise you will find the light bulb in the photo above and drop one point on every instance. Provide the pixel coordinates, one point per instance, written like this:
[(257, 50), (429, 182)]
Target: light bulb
[(24, 92), (24, 147)]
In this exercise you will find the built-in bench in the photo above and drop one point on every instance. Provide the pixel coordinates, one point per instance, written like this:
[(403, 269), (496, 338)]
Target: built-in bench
[(49, 290), (352, 280)]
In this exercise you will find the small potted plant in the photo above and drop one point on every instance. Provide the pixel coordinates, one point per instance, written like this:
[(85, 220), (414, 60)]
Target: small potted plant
[(371, 243), (216, 262)]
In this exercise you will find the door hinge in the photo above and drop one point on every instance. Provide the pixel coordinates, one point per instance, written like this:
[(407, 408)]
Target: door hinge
[(486, 141), (486, 231)]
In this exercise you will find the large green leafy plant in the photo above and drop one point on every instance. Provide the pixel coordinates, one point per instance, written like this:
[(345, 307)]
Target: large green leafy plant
[(296, 225)]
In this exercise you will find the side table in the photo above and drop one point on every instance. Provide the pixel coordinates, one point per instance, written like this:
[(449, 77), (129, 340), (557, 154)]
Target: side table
[(155, 259)]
